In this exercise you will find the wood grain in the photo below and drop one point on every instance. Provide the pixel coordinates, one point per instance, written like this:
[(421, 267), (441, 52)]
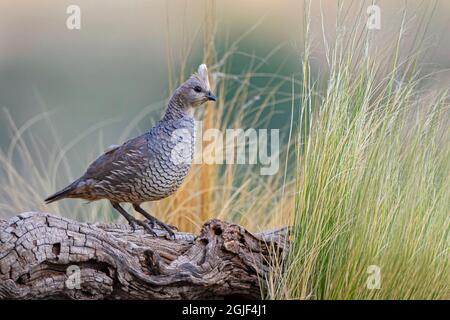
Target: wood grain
[(39, 253)]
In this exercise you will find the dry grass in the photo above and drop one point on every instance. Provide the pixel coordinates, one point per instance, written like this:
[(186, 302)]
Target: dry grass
[(373, 177)]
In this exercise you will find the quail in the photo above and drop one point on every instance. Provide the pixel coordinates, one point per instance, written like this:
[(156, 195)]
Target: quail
[(151, 166)]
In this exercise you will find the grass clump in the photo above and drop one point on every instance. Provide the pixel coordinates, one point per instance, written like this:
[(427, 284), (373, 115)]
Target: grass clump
[(372, 180)]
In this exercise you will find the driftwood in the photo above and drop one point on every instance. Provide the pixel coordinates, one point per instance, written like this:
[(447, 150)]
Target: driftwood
[(43, 256)]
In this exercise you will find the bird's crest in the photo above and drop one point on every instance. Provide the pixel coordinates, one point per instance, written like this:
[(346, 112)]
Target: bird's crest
[(202, 74)]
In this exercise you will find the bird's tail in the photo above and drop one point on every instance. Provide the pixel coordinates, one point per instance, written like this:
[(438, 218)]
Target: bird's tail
[(64, 193)]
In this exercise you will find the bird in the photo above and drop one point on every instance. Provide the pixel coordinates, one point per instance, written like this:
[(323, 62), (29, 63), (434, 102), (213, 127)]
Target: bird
[(151, 166)]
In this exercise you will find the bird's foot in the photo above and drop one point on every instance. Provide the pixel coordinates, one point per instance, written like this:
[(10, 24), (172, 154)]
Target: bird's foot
[(134, 223), (169, 228), (172, 227), (151, 223)]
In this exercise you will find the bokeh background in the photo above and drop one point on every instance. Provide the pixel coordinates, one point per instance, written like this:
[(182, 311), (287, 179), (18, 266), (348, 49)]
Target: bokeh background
[(110, 80), (117, 63)]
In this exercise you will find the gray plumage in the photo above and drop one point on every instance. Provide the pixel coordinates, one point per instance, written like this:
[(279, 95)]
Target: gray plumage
[(151, 166)]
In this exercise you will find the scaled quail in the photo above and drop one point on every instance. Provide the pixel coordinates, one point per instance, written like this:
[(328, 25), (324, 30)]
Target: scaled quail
[(151, 166)]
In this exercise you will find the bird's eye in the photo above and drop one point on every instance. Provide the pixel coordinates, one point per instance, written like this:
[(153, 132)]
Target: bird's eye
[(197, 89)]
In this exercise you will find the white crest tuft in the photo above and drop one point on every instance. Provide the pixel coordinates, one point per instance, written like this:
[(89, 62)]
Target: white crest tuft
[(203, 73)]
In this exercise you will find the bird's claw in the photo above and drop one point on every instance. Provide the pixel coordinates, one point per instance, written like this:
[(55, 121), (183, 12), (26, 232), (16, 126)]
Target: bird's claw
[(150, 224), (146, 227), (169, 228)]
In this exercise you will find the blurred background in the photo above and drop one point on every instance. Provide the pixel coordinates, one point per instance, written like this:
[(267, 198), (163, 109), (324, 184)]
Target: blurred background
[(116, 65), (109, 81)]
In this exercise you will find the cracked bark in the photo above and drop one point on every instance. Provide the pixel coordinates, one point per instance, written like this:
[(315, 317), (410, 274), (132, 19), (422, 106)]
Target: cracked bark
[(42, 256)]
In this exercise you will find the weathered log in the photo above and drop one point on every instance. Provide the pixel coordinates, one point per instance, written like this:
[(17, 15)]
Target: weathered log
[(44, 256)]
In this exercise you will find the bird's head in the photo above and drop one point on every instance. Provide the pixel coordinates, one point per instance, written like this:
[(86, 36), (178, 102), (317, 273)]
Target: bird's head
[(196, 91)]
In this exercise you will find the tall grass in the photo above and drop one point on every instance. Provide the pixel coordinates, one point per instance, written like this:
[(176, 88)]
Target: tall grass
[(373, 179)]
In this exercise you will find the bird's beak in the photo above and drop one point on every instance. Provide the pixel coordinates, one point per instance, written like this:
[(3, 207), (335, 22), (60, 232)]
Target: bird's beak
[(211, 96)]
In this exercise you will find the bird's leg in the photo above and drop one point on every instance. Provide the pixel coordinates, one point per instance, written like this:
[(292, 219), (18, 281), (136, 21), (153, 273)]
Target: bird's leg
[(132, 220), (152, 220), (147, 215)]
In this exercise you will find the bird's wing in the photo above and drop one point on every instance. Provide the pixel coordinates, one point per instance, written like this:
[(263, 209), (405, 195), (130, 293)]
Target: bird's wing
[(120, 160)]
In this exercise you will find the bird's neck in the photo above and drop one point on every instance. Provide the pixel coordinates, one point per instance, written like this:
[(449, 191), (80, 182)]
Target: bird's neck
[(177, 109)]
